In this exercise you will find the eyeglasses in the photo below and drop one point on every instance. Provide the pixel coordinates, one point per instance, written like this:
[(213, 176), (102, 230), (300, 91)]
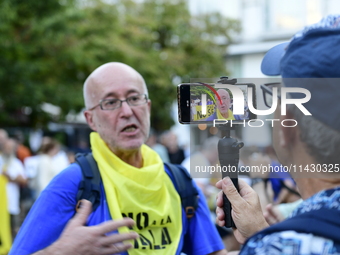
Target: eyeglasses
[(114, 103), (267, 90)]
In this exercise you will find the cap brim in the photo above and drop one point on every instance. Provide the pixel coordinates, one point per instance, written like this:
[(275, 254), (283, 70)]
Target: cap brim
[(271, 61)]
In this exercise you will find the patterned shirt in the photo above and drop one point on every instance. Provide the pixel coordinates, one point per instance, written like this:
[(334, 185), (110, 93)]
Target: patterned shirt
[(313, 228)]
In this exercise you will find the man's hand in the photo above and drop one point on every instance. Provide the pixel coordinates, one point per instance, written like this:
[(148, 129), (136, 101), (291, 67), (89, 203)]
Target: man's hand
[(246, 209), (19, 179), (272, 214), (79, 239), (7, 176)]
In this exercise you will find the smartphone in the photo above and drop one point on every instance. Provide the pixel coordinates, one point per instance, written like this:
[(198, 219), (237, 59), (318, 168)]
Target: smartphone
[(204, 102)]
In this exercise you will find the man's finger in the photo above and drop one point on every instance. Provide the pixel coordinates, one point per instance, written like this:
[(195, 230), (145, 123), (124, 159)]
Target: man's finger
[(221, 223), (220, 217), (220, 213), (231, 192), (219, 184), (219, 199), (84, 210), (271, 215), (244, 188), (118, 238), (116, 248), (219, 209), (110, 226)]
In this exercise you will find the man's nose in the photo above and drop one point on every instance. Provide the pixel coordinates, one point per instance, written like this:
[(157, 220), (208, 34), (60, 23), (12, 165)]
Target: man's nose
[(126, 109)]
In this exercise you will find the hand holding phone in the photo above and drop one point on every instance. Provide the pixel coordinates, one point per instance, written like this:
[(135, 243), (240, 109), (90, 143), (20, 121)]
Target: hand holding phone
[(229, 154)]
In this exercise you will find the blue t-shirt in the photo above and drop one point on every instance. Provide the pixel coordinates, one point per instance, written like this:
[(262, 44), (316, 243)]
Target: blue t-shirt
[(56, 206)]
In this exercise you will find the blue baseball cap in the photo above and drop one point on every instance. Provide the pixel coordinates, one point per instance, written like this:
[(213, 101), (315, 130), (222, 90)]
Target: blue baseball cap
[(311, 60)]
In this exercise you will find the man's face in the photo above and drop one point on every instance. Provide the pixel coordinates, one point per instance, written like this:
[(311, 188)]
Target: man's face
[(125, 128), (279, 140), (9, 147), (225, 98)]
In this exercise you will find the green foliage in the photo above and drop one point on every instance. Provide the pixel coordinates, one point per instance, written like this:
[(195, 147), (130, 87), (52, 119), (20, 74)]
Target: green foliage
[(197, 91), (48, 48)]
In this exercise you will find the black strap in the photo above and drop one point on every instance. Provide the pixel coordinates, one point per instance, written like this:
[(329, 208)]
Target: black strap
[(89, 187), (289, 188), (185, 189)]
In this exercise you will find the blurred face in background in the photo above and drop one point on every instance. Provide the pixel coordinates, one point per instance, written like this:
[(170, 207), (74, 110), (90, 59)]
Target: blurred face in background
[(3, 138), (9, 147)]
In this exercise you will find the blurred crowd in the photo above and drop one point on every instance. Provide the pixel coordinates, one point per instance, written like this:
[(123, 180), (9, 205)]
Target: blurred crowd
[(28, 173), (277, 190)]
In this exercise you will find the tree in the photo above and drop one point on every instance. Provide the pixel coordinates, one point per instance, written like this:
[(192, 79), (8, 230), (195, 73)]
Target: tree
[(48, 49)]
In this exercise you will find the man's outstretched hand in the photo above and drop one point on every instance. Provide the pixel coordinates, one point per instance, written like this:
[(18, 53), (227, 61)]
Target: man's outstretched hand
[(80, 239), (246, 209)]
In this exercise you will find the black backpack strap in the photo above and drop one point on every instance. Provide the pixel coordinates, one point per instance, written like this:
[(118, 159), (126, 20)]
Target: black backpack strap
[(89, 187), (185, 188)]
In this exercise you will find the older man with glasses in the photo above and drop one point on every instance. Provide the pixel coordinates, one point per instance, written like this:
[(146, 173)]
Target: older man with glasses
[(135, 184)]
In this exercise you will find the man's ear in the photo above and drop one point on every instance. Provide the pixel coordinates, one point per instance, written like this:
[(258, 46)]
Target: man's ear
[(149, 105), (89, 119), (289, 132)]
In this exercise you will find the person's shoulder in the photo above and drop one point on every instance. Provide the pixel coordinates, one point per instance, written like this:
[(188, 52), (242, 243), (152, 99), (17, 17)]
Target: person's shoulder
[(159, 148), (69, 177), (71, 169), (16, 166), (285, 241), (16, 161), (44, 159)]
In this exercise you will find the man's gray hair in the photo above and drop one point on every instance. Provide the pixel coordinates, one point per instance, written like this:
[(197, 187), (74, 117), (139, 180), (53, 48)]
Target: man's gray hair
[(323, 142)]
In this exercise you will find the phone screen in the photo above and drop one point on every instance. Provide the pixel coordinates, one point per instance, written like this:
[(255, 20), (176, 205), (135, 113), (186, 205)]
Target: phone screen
[(203, 103)]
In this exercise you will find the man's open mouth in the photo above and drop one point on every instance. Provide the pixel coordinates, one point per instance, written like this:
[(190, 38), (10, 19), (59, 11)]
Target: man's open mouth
[(129, 128)]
